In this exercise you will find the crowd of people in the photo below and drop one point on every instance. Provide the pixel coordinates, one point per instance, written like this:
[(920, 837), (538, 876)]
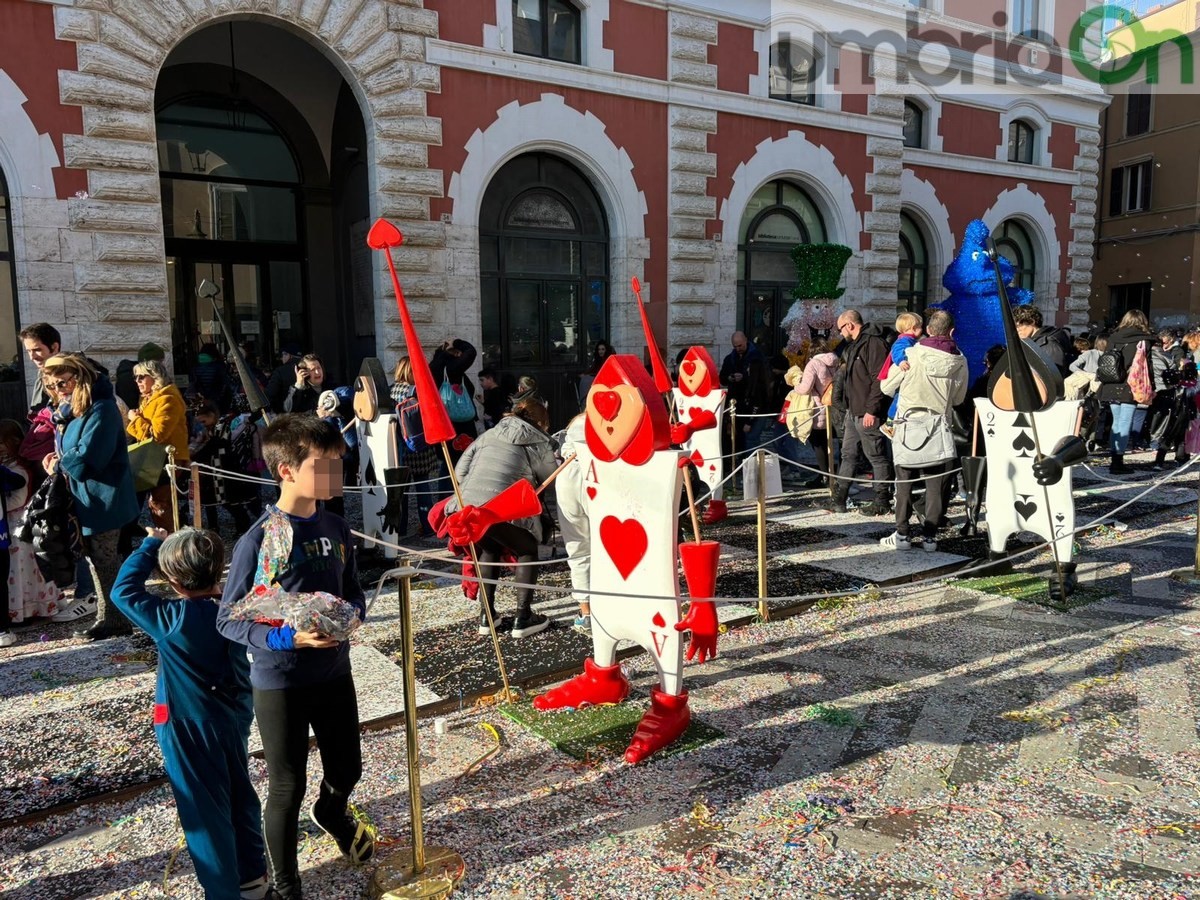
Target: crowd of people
[(95, 454)]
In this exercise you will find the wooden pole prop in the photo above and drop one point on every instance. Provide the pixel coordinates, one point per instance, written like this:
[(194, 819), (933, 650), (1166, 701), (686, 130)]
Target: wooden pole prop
[(174, 496), (484, 588), (550, 480), (417, 871), (763, 612), (691, 495), (194, 493)]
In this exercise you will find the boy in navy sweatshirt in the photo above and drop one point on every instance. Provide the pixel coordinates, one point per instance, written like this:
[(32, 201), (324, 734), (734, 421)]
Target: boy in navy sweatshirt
[(202, 709), (302, 678)]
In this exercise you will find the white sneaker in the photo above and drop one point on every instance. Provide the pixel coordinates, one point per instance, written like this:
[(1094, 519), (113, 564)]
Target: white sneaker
[(84, 606), (7, 638), (895, 541)]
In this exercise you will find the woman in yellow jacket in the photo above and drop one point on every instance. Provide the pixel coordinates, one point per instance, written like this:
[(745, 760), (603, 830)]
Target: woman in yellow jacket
[(162, 416)]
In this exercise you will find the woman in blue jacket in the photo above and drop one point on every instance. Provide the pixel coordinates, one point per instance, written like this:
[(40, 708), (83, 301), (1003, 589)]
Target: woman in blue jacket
[(90, 452)]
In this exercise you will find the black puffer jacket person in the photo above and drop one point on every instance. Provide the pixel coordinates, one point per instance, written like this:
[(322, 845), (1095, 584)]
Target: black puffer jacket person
[(1126, 341), (51, 527)]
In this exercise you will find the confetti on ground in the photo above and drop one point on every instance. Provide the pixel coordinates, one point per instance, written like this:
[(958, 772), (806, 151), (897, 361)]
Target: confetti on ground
[(997, 749)]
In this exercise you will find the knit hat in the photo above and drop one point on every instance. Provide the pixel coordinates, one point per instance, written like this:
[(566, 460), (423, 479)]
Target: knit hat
[(151, 350)]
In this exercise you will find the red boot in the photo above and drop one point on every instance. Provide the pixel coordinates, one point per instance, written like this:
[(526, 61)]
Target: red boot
[(665, 720), (595, 684), (715, 512)]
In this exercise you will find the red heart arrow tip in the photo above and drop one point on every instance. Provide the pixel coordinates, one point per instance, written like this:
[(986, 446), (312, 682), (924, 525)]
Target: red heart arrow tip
[(637, 285), (384, 234)]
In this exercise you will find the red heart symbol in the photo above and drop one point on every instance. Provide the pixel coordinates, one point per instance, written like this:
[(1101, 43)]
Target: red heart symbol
[(712, 468), (625, 542), (384, 234), (697, 458), (591, 492), (689, 367), (694, 412), (659, 620), (607, 403)]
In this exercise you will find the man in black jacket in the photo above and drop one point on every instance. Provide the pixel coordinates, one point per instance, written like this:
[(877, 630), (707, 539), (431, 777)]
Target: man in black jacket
[(1051, 341), (866, 408)]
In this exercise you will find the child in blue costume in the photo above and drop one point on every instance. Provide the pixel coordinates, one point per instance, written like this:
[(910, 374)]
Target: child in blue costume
[(909, 326), (202, 708), (301, 678)]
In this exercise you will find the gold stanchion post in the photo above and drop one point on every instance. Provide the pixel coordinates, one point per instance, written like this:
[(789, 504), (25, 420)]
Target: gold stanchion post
[(194, 493), (732, 441), (174, 496), (417, 871), (763, 612)]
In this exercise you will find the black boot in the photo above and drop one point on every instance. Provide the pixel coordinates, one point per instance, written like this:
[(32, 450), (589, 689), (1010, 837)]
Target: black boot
[(999, 564), (837, 503), (1117, 466), (1061, 589)]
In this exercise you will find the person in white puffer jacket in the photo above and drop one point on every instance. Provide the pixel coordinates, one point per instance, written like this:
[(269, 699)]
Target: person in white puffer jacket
[(934, 383)]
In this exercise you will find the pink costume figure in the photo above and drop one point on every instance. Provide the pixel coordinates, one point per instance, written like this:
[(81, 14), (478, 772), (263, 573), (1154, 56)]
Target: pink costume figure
[(632, 487), (700, 407)]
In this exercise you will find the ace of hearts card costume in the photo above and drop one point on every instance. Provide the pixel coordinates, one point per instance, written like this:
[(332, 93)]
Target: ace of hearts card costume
[(632, 485)]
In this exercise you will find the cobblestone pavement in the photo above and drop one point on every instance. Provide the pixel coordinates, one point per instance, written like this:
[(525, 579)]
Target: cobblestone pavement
[(937, 740)]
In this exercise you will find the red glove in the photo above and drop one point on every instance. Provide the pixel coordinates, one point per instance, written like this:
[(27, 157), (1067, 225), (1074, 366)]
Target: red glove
[(680, 432), (702, 419), (470, 524), (701, 620)]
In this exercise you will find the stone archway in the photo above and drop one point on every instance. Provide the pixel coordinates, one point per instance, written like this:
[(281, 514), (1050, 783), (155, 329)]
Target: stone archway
[(377, 47)]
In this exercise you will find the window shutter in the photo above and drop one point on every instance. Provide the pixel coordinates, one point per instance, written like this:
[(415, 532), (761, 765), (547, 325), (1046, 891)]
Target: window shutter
[(1147, 176), (1116, 191)]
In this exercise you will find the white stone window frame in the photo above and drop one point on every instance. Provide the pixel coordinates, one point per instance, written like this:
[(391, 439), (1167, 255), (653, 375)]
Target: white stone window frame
[(931, 106), (592, 13), (919, 199), (1042, 125), (1029, 208), (1045, 24), (801, 31)]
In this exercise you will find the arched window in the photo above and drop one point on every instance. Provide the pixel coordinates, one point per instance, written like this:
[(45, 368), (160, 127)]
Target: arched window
[(793, 72), (551, 29), (779, 216), (1014, 244), (543, 265), (913, 292), (914, 125), (10, 347), (1020, 141)]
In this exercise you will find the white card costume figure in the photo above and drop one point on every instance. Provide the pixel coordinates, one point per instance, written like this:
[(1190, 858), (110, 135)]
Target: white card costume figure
[(378, 453), (1015, 500), (700, 399), (632, 485)]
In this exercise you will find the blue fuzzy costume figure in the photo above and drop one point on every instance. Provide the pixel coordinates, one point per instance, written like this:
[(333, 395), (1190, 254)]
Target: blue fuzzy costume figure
[(974, 301)]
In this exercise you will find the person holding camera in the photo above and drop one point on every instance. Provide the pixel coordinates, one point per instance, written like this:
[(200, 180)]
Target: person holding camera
[(310, 382)]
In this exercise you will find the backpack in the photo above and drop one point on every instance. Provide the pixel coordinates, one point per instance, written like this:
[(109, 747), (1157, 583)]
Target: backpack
[(1110, 368)]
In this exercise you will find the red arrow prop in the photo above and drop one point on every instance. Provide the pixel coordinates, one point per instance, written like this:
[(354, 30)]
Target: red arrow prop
[(436, 421), (662, 380)]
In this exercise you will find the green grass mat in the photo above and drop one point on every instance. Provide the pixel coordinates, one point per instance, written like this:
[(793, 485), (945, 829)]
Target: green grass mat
[(1031, 588), (600, 732)]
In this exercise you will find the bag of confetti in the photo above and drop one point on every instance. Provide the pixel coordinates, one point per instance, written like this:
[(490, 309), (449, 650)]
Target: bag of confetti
[(317, 611), (320, 612), (262, 604)]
